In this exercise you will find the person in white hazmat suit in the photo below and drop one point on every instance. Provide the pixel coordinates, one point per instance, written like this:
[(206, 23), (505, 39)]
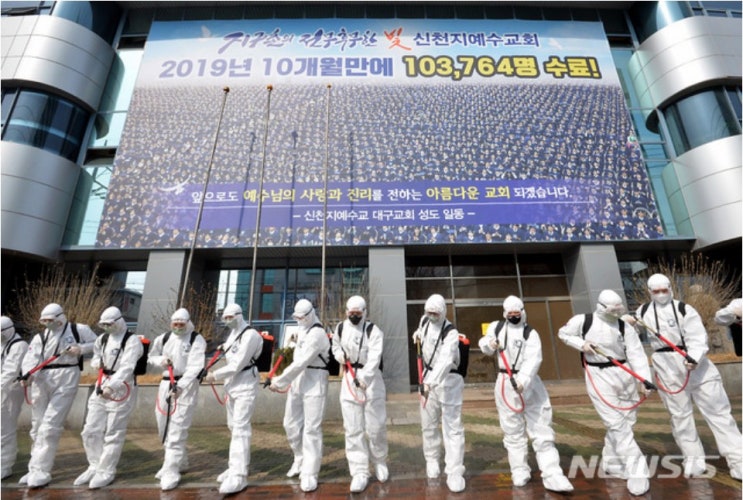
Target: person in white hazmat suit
[(305, 402), (13, 350), (522, 348), (241, 382), (104, 431), (363, 405), (730, 316), (183, 349), (613, 390), (682, 325), (53, 388), (441, 415)]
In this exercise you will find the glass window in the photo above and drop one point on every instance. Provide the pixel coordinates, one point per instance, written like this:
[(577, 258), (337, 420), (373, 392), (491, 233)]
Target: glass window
[(649, 17), (102, 18), (483, 265), (545, 286), (138, 22), (531, 264), (614, 22), (498, 12), (87, 207), (527, 12), (109, 122), (440, 11), (469, 11), (47, 122), (423, 288), (700, 118), (556, 14), (477, 288)]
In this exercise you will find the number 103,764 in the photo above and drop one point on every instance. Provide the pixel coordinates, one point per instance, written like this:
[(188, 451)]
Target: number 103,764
[(467, 66)]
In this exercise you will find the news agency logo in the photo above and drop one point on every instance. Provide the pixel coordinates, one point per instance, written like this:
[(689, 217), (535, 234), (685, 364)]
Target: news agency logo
[(659, 466)]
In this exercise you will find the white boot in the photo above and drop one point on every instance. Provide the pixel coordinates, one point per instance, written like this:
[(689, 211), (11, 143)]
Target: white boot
[(382, 472), (455, 483), (638, 485), (85, 477), (432, 469), (557, 482), (520, 477), (359, 482), (308, 483), (295, 469), (100, 480), (233, 484)]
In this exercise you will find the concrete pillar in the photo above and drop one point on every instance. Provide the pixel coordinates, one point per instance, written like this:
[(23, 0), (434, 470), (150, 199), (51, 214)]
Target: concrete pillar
[(160, 295), (388, 310), (591, 269)]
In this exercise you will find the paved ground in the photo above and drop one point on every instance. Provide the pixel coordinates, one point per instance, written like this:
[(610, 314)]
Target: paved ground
[(579, 433)]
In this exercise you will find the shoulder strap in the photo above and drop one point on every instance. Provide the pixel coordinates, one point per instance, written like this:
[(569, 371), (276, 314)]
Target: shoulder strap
[(621, 327), (682, 308), (499, 327), (527, 331), (104, 341), (369, 328), (340, 329), (194, 334), (644, 309), (75, 333), (587, 322), (10, 344)]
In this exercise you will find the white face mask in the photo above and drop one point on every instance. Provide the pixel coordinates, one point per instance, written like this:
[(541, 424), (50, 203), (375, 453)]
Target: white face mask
[(231, 322), (109, 328), (662, 298), (434, 318), (179, 330), (8, 333)]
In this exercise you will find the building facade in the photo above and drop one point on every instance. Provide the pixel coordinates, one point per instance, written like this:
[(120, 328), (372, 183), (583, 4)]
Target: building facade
[(277, 151)]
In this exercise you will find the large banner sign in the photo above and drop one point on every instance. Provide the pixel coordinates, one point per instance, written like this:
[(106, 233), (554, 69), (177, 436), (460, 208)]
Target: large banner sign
[(376, 132)]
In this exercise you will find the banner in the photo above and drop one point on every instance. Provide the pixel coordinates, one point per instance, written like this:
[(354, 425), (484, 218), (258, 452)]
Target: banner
[(427, 131)]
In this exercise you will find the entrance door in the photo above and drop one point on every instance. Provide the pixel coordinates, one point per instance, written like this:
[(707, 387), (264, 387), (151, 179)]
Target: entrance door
[(559, 362)]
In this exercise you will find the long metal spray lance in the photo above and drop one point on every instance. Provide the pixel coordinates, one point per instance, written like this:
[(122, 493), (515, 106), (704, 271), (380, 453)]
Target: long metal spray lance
[(663, 339), (184, 284), (257, 234), (325, 205)]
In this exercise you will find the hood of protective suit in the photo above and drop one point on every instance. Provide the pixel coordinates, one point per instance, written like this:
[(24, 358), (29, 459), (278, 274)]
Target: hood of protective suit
[(304, 313), (53, 317), (181, 315), (513, 304), (436, 304), (356, 310), (660, 282), (112, 321), (233, 316), (8, 330), (610, 306)]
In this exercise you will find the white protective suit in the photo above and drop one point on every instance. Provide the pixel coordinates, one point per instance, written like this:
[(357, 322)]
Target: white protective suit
[(53, 388), (13, 350), (621, 456), (730, 316), (704, 386), (442, 415), (305, 402), (104, 432), (241, 382), (364, 408), (187, 359), (524, 358)]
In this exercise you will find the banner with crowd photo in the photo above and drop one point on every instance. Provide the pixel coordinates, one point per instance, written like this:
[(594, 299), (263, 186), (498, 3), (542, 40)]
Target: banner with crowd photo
[(374, 132)]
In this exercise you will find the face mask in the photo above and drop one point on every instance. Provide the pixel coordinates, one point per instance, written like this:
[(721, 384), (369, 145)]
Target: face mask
[(47, 324), (304, 321), (662, 298), (230, 323), (179, 330), (109, 328), (514, 319), (434, 318), (355, 318)]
